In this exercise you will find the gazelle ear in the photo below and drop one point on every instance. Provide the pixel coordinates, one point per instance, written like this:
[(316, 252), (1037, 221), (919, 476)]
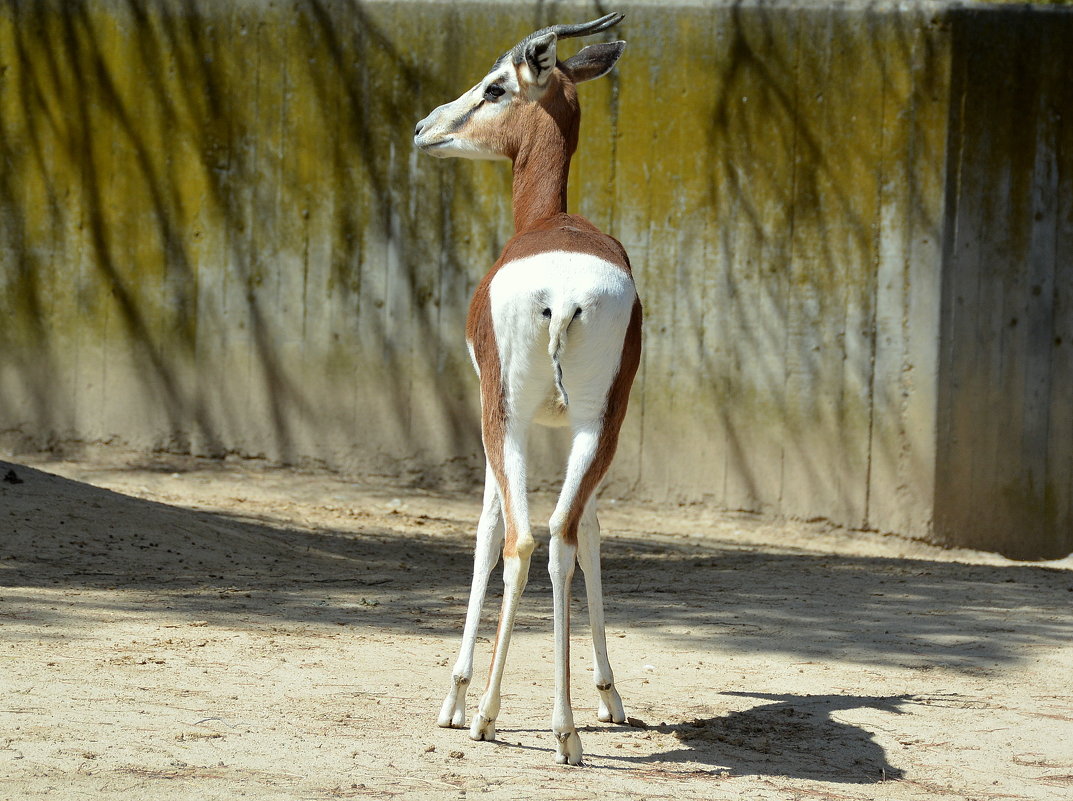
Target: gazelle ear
[(539, 55), (594, 61)]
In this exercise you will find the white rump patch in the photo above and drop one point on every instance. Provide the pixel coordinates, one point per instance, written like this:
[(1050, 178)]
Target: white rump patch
[(584, 301)]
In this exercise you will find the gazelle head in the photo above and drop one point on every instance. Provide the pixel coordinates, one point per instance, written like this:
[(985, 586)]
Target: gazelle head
[(527, 90)]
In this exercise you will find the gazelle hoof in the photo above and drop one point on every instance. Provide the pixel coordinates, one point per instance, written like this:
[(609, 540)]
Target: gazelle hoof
[(453, 711), (610, 709), (451, 718), (482, 728), (568, 748)]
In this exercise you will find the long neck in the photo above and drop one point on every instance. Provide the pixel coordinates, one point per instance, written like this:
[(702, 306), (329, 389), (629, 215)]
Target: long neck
[(541, 171), (542, 162)]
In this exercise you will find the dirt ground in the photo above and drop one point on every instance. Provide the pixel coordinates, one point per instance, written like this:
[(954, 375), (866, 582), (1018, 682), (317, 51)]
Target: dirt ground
[(179, 629)]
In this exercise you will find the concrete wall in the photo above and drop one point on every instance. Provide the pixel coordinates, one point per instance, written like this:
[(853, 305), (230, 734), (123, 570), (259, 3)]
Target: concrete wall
[(216, 237), (1005, 445)]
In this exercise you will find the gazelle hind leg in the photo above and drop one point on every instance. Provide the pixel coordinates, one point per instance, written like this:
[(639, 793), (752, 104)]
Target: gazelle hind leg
[(518, 549), (561, 567), (485, 558), (579, 482), (610, 709)]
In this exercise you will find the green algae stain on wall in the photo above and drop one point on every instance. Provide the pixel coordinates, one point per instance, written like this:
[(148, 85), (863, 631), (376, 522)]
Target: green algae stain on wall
[(217, 237), (270, 262), (219, 234)]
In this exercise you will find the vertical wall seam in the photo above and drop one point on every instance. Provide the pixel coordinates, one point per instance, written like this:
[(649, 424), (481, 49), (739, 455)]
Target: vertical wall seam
[(877, 255)]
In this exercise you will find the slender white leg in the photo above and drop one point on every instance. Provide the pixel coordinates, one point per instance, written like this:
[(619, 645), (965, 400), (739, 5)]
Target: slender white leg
[(485, 558), (610, 709), (561, 568), (517, 551), (564, 551)]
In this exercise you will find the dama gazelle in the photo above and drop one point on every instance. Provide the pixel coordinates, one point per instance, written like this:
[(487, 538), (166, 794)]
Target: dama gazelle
[(554, 332)]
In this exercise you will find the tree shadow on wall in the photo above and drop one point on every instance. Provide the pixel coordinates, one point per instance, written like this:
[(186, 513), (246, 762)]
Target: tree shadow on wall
[(798, 158), (227, 215)]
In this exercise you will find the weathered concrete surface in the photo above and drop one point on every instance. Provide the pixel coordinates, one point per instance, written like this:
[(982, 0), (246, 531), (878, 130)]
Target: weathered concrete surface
[(216, 237), (1005, 455)]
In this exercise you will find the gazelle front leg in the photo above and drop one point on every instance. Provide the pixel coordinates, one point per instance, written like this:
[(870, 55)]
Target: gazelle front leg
[(485, 558), (610, 709)]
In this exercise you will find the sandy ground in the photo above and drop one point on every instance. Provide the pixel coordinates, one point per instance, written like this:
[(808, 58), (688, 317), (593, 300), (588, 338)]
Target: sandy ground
[(178, 629)]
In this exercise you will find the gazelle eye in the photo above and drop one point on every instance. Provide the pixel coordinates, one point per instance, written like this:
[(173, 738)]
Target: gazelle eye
[(493, 92)]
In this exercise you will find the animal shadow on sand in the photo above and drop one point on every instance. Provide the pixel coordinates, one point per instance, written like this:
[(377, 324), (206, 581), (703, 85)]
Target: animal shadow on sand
[(794, 736)]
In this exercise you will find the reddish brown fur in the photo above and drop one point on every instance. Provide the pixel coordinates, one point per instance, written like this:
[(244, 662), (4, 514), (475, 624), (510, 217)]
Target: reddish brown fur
[(482, 338), (543, 139), (568, 232)]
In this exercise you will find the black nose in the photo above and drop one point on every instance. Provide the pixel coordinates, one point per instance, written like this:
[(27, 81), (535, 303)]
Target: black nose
[(417, 130)]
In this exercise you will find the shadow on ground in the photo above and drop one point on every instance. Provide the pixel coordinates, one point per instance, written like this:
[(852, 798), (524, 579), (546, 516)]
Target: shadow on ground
[(794, 736), (388, 572)]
